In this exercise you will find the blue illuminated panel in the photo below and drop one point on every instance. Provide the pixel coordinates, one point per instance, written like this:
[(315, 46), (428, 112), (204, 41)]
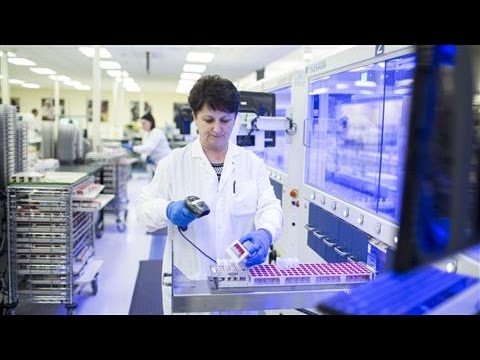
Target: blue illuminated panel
[(356, 134), (398, 94), (277, 156)]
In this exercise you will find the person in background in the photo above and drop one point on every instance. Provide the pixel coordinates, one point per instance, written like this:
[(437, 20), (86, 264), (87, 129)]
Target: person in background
[(37, 122), (33, 125), (154, 143), (230, 179)]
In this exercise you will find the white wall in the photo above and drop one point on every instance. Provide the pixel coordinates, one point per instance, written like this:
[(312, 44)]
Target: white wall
[(76, 102), (162, 104)]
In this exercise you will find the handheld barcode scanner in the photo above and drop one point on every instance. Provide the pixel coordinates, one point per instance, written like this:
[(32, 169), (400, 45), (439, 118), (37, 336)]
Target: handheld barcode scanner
[(197, 207)]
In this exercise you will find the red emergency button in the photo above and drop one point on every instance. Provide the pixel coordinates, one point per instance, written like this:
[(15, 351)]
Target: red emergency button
[(294, 193)]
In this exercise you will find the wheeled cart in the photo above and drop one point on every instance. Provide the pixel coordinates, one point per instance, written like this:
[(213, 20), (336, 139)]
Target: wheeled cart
[(116, 173), (50, 237)]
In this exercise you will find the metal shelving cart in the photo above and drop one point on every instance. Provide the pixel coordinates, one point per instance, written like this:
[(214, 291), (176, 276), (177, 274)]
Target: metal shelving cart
[(21, 147), (50, 234), (8, 156), (8, 140), (116, 173), (97, 171)]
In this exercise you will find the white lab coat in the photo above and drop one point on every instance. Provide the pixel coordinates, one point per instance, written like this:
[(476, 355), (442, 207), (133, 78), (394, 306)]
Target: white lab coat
[(155, 144), (187, 171), (33, 126)]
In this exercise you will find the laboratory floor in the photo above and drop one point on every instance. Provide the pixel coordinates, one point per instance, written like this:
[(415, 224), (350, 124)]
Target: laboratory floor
[(121, 253)]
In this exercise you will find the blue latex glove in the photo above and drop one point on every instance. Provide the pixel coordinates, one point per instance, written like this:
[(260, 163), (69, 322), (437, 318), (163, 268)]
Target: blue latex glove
[(178, 213), (257, 243), (128, 146), (149, 160)]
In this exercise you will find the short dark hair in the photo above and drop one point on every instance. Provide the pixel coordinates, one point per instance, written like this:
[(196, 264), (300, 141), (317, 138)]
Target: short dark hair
[(218, 93), (34, 111), (149, 117)]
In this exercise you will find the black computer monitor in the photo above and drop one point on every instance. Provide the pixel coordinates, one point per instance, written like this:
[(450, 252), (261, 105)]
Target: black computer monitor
[(261, 103), (440, 198)]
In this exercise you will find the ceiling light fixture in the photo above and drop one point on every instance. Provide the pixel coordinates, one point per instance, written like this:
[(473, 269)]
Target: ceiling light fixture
[(72, 83), (201, 57), (132, 88), (9, 54), (21, 61), (16, 82), (90, 52), (195, 68), (43, 71), (117, 73), (59, 77), (110, 65), (128, 80)]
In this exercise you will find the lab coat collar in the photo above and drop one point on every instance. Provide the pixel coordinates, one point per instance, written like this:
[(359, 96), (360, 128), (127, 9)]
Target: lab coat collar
[(228, 165), (197, 151)]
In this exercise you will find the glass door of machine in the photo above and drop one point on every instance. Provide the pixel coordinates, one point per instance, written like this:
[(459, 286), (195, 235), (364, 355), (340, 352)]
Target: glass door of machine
[(356, 134)]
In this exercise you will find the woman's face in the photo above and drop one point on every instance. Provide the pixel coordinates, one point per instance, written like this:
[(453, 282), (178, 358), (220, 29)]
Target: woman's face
[(214, 127), (146, 125)]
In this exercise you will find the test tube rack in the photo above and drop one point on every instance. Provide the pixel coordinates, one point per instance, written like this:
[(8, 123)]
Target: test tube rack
[(233, 275)]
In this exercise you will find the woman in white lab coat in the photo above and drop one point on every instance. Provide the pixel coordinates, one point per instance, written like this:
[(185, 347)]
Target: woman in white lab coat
[(232, 181), (154, 143)]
